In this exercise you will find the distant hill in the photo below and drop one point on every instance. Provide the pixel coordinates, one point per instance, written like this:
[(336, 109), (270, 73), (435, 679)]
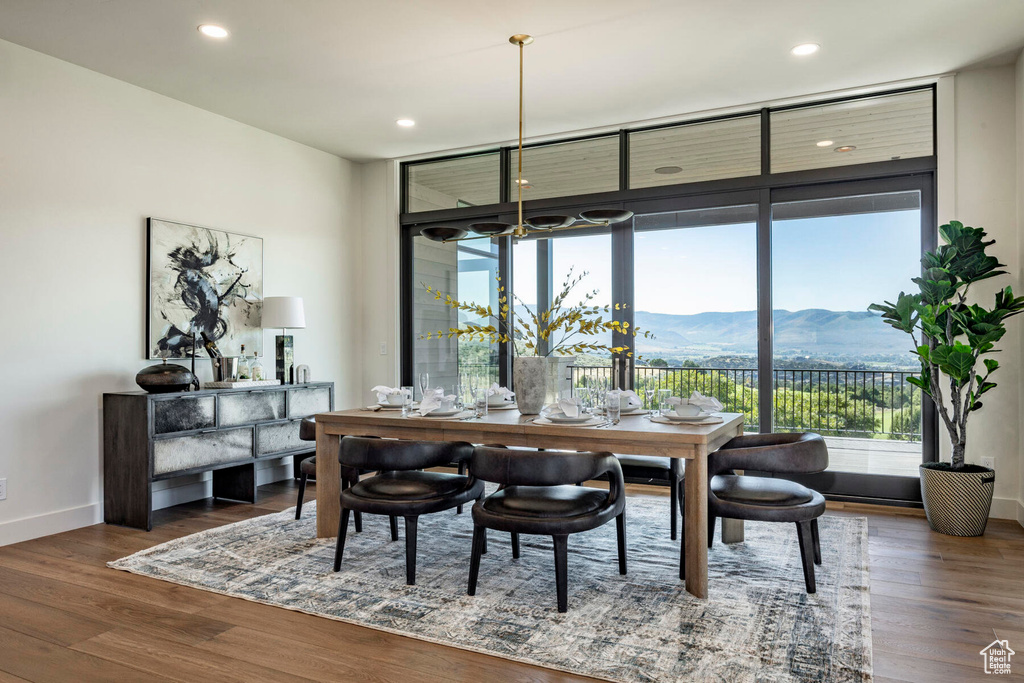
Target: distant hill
[(813, 332)]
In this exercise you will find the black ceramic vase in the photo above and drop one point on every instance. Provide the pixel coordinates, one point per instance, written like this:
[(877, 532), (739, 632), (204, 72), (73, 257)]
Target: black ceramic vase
[(164, 378)]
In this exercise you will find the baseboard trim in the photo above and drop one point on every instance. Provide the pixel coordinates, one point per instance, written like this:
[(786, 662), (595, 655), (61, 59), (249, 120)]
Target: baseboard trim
[(1020, 512), (49, 523), (1005, 508)]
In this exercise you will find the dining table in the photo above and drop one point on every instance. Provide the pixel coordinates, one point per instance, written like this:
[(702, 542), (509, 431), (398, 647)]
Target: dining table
[(633, 435)]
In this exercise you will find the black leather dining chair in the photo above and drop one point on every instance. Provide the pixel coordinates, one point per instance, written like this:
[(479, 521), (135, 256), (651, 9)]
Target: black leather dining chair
[(400, 488), (538, 496), (651, 467), (768, 499), (349, 476)]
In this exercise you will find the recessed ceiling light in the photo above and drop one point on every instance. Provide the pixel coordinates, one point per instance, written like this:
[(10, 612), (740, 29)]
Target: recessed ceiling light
[(825, 143), (846, 148), (805, 49), (406, 123), (213, 31), (667, 170)]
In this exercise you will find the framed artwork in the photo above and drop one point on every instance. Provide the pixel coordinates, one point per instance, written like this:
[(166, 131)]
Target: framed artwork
[(202, 282)]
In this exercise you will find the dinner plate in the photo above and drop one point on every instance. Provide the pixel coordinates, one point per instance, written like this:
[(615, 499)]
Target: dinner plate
[(442, 415), (706, 420), (566, 420), (503, 406), (686, 418), (589, 422)]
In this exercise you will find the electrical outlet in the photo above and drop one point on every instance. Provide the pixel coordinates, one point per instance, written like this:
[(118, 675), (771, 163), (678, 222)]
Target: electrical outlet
[(989, 463), (3, 489), (383, 348)]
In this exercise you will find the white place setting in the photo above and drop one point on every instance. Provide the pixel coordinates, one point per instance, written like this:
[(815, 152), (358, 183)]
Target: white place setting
[(697, 409), (568, 412)]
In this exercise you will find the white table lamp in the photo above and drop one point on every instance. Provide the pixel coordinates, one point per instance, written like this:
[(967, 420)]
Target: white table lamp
[(287, 313)]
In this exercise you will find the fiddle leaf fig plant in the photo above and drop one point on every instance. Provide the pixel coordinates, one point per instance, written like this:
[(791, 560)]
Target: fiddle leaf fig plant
[(952, 338)]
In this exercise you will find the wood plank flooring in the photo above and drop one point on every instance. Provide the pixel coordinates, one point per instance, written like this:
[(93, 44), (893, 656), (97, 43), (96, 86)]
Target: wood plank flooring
[(936, 601)]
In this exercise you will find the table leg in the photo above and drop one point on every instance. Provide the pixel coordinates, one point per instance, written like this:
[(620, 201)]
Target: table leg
[(328, 483), (695, 503)]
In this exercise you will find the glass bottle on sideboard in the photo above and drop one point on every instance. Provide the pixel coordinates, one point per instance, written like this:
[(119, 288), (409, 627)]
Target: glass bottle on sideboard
[(243, 366), (256, 368)]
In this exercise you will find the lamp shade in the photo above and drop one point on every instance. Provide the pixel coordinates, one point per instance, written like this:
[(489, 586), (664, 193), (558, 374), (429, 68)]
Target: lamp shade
[(283, 311)]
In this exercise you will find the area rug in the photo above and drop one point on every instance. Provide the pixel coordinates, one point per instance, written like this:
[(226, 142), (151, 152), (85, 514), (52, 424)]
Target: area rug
[(758, 623)]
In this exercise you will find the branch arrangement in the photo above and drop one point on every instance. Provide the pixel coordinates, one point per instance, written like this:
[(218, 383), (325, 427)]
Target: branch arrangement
[(939, 319), (561, 330)]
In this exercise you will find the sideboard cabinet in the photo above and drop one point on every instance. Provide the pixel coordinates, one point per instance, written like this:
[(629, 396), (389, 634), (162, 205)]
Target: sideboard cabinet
[(149, 437)]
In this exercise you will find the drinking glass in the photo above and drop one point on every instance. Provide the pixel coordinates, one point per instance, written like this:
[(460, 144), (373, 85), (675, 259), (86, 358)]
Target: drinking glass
[(406, 401), (459, 400), (480, 402), (650, 391), (424, 383), (663, 396), (612, 405)]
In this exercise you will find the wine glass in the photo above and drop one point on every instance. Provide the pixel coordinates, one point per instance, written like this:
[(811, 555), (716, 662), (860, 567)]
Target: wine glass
[(650, 391), (424, 384)]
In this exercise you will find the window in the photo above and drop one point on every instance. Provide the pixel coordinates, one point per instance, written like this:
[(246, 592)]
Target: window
[(566, 169), (857, 131), (453, 183), (694, 152)]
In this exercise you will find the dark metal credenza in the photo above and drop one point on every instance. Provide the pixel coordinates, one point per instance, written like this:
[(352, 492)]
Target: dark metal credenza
[(149, 437)]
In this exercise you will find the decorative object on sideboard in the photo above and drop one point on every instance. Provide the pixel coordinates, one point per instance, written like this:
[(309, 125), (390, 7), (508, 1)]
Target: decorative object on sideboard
[(202, 281), (164, 378), (302, 374), (243, 384), (287, 313), (225, 369)]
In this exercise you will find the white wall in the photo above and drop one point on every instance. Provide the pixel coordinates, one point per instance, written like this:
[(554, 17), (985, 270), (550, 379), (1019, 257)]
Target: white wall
[(380, 271), (986, 196), (1020, 255), (84, 159)]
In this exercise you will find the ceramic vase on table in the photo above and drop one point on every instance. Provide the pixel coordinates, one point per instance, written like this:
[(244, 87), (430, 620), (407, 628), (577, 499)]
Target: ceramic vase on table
[(537, 381)]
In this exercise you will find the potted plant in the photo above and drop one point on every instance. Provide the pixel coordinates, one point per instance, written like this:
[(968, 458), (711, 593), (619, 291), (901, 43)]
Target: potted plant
[(953, 340), (544, 343)]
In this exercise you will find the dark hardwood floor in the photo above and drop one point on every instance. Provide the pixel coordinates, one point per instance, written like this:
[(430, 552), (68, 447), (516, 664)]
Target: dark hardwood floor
[(935, 602)]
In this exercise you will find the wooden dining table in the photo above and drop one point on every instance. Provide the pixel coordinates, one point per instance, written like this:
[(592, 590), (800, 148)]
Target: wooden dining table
[(633, 435)]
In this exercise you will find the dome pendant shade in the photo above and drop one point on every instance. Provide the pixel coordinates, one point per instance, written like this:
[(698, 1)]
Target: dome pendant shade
[(491, 229), (443, 233), (607, 216), (549, 222)]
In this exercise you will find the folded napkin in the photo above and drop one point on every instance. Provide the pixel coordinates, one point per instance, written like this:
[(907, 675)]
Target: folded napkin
[(498, 390), (566, 406), (383, 392), (709, 404), (434, 399), (634, 400)]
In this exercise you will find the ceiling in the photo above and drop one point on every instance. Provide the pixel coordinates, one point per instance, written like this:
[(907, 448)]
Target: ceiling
[(336, 74)]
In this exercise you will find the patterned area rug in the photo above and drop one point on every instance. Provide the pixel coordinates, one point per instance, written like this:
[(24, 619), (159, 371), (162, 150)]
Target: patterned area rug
[(758, 624)]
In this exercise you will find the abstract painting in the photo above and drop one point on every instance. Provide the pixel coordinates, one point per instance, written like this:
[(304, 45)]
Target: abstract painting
[(203, 282)]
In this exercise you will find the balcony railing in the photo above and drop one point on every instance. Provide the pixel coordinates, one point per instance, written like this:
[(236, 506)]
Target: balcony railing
[(871, 404)]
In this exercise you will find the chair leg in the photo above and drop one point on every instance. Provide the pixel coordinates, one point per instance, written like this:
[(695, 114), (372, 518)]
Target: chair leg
[(394, 527), (673, 504), (479, 535), (339, 550), (620, 532), (358, 515), (682, 553), (410, 550), (462, 471), (817, 544), (515, 545), (302, 493), (359, 522), (711, 529), (803, 533), (561, 571)]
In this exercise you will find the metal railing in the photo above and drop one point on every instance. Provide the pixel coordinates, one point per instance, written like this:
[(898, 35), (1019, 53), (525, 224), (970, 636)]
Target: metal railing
[(877, 404), (873, 404)]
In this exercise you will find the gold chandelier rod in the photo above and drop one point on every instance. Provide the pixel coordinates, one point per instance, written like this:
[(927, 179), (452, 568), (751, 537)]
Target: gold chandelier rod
[(522, 40)]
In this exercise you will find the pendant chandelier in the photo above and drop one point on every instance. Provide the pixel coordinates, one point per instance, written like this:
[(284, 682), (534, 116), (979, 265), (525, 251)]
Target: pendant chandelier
[(592, 218)]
